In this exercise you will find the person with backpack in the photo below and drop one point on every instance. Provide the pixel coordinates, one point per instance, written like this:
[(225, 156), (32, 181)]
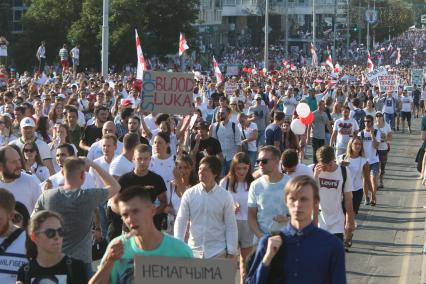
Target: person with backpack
[(357, 113), (301, 252), (335, 184), (371, 138), (44, 249), (389, 109), (237, 182), (229, 136)]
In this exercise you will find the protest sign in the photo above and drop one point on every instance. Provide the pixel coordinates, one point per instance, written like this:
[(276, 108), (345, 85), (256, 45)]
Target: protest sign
[(167, 92), (232, 70), (161, 269), (230, 88), (388, 83), (417, 77), (373, 75)]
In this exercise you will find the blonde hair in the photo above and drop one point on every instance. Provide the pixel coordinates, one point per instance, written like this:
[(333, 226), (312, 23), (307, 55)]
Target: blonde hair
[(296, 184), (349, 151)]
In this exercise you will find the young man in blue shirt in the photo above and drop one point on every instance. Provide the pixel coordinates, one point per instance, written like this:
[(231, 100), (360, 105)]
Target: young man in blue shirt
[(301, 252)]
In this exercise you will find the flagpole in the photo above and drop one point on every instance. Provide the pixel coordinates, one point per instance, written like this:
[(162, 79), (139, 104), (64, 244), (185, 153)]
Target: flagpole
[(266, 51), (313, 22), (105, 39)]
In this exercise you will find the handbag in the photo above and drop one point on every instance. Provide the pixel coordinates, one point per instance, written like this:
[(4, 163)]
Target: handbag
[(244, 147)]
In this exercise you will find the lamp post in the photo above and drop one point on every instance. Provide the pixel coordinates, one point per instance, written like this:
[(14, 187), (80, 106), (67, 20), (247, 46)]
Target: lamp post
[(266, 51), (105, 39)]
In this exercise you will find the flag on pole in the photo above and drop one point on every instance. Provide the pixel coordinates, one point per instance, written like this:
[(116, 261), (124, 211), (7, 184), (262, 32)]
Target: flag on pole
[(217, 72), (370, 64), (314, 55), (398, 56), (390, 47), (329, 60), (183, 45), (141, 59)]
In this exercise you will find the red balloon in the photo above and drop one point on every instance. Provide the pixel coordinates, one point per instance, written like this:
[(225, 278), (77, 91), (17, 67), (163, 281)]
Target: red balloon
[(245, 69), (309, 119), (249, 70)]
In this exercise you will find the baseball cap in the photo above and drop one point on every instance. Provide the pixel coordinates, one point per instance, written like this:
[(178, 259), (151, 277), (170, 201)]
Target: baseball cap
[(257, 97), (126, 102), (27, 122)]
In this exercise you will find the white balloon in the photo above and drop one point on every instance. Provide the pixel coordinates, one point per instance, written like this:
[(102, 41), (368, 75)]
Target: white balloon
[(297, 127), (303, 110)]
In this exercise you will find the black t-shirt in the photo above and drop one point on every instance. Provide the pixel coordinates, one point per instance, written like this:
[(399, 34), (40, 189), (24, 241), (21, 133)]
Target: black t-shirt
[(416, 96), (68, 270), (211, 145), (142, 139), (115, 224), (91, 134)]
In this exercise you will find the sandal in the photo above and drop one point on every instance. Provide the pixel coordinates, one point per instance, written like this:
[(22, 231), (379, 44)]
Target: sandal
[(373, 203)]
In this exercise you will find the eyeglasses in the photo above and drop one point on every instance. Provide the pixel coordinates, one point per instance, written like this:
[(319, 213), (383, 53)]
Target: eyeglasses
[(51, 233), (26, 150), (263, 161)]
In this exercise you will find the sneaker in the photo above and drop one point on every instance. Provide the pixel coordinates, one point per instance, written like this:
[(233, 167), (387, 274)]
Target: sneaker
[(380, 185)]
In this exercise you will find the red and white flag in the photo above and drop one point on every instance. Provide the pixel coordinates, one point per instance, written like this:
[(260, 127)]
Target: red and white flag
[(370, 64), (217, 72), (398, 56), (337, 68), (141, 59), (314, 55), (183, 45), (390, 47), (329, 60)]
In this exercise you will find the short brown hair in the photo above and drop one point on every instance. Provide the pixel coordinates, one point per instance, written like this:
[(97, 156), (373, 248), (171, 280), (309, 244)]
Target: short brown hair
[(143, 148), (72, 165), (130, 141), (325, 154), (110, 136), (276, 154), (7, 200), (214, 164), (297, 183)]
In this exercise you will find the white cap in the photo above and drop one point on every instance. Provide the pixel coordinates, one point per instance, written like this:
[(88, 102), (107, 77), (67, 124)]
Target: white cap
[(27, 121)]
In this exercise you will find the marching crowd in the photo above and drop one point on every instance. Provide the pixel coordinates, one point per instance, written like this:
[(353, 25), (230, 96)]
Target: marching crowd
[(86, 174)]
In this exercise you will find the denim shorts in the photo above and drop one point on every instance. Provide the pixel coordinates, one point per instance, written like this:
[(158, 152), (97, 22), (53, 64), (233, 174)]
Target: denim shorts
[(374, 169)]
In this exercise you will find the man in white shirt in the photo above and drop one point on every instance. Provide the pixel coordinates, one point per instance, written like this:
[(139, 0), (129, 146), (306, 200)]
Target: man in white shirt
[(344, 128), (95, 150), (75, 56), (41, 56), (24, 187), (407, 106), (123, 163), (27, 127), (209, 209), (291, 166)]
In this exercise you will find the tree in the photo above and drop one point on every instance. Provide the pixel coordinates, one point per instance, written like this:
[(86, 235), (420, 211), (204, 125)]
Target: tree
[(47, 20), (158, 24)]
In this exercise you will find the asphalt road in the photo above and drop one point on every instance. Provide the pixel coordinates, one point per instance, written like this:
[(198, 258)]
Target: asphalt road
[(388, 243)]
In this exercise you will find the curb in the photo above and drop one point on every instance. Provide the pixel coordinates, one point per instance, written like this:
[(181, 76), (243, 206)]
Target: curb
[(423, 275)]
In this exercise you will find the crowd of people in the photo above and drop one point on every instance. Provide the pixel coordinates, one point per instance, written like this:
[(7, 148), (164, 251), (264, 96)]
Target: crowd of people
[(86, 174)]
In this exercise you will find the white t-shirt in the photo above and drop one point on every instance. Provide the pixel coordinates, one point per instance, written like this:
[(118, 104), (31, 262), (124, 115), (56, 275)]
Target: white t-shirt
[(25, 189), (389, 105), (383, 134), (40, 171), (120, 166), (240, 196), (58, 180), (356, 166), (345, 129), (95, 151), (12, 259), (301, 169), (406, 103), (289, 105), (248, 132), (331, 217), (105, 166), (164, 168), (369, 151), (75, 52)]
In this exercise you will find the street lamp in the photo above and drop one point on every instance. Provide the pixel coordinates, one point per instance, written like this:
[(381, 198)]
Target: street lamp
[(105, 39)]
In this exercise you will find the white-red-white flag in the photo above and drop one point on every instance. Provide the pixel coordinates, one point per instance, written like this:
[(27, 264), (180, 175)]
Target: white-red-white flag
[(217, 72), (141, 59), (398, 56), (390, 47), (329, 60), (370, 64), (314, 55), (337, 68), (183, 45)]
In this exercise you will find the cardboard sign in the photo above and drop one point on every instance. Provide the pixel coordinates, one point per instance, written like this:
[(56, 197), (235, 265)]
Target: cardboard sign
[(417, 77), (161, 269), (388, 83), (373, 75), (230, 88), (232, 70), (167, 92)]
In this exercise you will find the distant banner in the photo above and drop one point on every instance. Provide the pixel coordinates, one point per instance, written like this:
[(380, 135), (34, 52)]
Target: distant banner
[(373, 75), (388, 83), (167, 92), (417, 77), (160, 270), (230, 88)]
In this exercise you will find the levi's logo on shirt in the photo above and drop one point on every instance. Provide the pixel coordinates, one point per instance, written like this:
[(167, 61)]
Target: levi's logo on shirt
[(328, 183)]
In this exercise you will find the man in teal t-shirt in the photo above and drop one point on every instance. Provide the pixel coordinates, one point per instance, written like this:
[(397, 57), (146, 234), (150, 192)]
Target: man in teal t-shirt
[(137, 211)]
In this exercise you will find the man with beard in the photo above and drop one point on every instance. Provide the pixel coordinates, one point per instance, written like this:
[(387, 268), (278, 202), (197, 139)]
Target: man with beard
[(24, 187), (12, 255), (134, 126), (265, 213), (93, 133)]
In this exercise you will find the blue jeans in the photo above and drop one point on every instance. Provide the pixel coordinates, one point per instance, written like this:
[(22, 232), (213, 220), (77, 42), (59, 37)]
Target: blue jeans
[(389, 119), (103, 220), (252, 155), (260, 138), (89, 270), (225, 167)]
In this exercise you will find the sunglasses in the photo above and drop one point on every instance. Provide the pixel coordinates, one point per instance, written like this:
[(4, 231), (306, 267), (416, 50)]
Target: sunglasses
[(26, 150), (51, 233), (263, 161)]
